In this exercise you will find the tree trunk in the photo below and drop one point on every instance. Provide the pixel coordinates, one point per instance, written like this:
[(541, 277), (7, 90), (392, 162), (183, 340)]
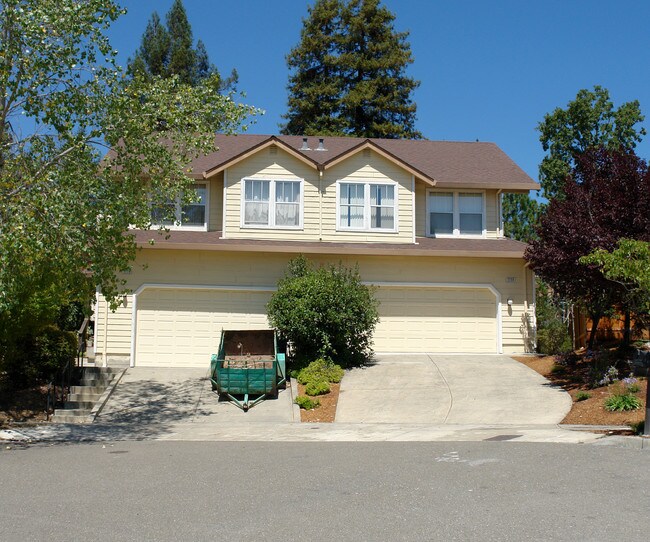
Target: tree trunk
[(627, 330), (595, 319)]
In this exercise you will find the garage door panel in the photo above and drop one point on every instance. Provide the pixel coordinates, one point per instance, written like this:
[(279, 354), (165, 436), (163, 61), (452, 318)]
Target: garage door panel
[(182, 328), (436, 320)]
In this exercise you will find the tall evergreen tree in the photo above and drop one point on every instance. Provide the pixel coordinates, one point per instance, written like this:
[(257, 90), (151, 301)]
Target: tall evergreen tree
[(167, 50), (349, 73)]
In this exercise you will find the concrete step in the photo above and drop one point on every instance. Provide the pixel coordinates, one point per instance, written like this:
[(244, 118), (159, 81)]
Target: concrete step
[(100, 370), (84, 396), (79, 405), (95, 390), (70, 415), (92, 381)]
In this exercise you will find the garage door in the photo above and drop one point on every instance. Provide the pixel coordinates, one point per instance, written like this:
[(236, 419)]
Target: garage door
[(182, 328), (436, 320)]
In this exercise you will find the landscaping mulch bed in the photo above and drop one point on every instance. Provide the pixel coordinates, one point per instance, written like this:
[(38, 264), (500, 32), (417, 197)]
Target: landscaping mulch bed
[(326, 412), (577, 379), (22, 407)]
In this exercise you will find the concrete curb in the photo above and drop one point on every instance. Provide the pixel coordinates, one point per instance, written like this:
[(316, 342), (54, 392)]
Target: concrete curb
[(295, 409), (636, 443), (99, 405)]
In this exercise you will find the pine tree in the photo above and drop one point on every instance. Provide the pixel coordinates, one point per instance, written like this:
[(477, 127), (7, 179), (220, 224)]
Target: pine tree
[(167, 50), (349, 73)]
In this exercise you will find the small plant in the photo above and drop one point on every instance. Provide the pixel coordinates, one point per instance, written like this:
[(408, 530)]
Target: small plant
[(609, 377), (582, 396), (307, 403), (622, 402), (638, 427), (321, 369), (631, 384), (558, 369), (317, 387)]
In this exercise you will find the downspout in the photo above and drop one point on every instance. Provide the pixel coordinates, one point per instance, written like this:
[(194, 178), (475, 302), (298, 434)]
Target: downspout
[(499, 213), (223, 217), (413, 205), (105, 356), (320, 204)]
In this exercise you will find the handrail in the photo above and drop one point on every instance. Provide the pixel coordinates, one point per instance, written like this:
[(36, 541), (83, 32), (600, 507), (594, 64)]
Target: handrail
[(64, 377)]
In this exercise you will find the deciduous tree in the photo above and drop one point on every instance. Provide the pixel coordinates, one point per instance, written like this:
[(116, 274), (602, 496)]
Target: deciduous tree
[(607, 199), (63, 102)]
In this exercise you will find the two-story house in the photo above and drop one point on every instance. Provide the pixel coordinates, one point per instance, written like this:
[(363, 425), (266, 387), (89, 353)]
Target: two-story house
[(422, 219)]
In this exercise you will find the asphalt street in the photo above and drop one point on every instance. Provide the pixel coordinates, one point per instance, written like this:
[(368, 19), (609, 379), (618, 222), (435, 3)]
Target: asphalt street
[(243, 491)]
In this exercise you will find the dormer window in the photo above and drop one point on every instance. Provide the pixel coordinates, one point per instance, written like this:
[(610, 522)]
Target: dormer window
[(193, 216), (456, 214), (364, 206), (272, 203)]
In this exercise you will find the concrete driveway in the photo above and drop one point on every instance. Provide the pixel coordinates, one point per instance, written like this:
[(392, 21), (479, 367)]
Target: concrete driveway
[(451, 389)]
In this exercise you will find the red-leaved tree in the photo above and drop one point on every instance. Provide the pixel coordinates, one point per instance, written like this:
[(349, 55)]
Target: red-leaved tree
[(609, 199)]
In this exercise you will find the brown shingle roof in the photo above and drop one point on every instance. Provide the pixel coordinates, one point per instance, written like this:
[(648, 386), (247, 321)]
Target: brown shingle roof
[(449, 163), (425, 246)]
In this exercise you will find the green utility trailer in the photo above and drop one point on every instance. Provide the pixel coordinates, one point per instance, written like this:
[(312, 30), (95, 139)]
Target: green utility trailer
[(248, 364)]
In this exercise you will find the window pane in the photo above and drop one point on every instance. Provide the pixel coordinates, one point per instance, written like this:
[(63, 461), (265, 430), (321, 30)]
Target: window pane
[(441, 223), (471, 223), (163, 215), (441, 202), (382, 217), (352, 216), (352, 194), (382, 194), (256, 190), (194, 215), (256, 213), (287, 192), (287, 214), (470, 203)]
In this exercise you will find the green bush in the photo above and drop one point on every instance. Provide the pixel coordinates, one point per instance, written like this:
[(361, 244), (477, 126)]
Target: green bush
[(582, 396), (552, 333), (621, 402), (307, 403), (321, 369), (317, 387), (39, 357), (324, 312)]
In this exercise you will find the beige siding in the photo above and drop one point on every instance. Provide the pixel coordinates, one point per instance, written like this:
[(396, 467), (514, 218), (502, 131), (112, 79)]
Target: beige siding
[(265, 165), (117, 341), (463, 312), (215, 222), (491, 211), (368, 166)]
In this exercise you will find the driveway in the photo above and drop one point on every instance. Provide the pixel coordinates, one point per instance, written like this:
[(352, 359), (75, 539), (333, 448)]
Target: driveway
[(452, 389), (155, 399)]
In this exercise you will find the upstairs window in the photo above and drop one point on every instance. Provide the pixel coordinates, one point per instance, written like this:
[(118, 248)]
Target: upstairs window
[(173, 214), (367, 206), (271, 203), (456, 214)]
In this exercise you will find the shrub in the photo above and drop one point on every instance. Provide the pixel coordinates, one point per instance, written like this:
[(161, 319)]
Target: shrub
[(582, 396), (621, 402), (638, 427), (631, 384), (324, 312), (39, 357), (317, 387), (306, 403), (321, 369), (552, 333)]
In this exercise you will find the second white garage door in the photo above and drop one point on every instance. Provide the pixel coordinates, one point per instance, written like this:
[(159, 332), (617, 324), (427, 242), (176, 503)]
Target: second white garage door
[(182, 328), (449, 320)]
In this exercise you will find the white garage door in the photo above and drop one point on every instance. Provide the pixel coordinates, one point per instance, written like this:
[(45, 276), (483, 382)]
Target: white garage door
[(182, 328), (446, 320)]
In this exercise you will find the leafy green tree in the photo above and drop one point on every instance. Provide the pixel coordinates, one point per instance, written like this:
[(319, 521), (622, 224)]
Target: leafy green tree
[(591, 120), (325, 312), (349, 73), (167, 51), (520, 216), (63, 212)]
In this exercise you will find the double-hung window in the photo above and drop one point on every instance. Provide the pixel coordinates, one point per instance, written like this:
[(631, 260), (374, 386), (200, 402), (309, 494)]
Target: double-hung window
[(270, 203), (194, 215), (367, 206), (455, 214)]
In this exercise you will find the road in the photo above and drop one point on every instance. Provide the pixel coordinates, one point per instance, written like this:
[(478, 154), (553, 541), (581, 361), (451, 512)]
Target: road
[(323, 491)]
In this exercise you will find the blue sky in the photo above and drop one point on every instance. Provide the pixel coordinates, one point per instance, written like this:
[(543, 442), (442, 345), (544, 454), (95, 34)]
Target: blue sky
[(489, 70)]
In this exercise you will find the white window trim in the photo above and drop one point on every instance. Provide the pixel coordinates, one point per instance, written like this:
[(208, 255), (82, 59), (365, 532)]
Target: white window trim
[(271, 225), (366, 205), (178, 225), (456, 217)]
